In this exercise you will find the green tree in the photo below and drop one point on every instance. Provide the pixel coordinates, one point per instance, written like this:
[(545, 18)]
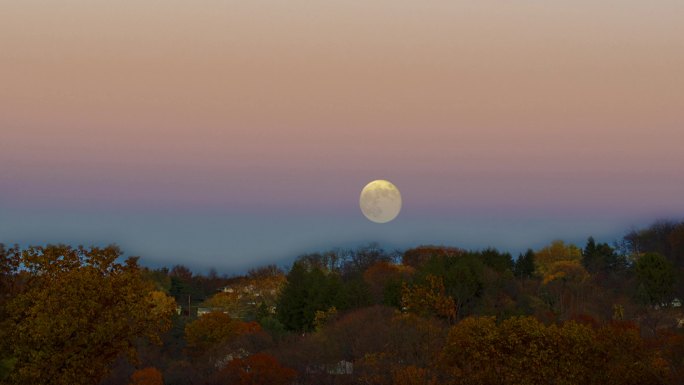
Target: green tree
[(78, 311), (183, 285), (160, 277), (656, 279), (497, 260), (524, 265), (273, 327), (664, 237), (308, 290), (462, 276), (597, 258)]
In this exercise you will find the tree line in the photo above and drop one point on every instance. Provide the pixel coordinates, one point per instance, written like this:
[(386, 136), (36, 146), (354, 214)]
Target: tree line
[(598, 313)]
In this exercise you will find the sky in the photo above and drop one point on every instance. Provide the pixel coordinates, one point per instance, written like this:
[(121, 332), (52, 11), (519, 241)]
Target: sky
[(229, 134)]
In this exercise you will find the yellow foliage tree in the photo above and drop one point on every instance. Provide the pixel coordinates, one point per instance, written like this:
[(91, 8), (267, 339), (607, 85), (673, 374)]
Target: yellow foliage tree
[(78, 311), (412, 375), (235, 303), (215, 329), (321, 318), (556, 251), (565, 282), (429, 299), (522, 350)]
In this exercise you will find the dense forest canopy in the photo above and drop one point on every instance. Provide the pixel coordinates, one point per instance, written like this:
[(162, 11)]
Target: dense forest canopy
[(596, 313)]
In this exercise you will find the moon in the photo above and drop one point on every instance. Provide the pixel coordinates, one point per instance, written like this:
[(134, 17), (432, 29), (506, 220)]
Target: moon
[(380, 201)]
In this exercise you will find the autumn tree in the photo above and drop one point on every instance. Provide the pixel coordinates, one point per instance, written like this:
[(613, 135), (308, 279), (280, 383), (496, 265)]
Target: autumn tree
[(235, 302), (214, 329), (416, 340), (79, 310), (556, 251), (624, 357), (413, 375), (500, 294), (356, 333), (147, 376), (381, 279), (401, 349), (671, 344), (522, 350), (564, 285), (8, 277), (256, 369), (10, 284), (429, 299)]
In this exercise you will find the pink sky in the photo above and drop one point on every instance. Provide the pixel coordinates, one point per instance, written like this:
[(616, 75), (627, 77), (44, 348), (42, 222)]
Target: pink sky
[(559, 107)]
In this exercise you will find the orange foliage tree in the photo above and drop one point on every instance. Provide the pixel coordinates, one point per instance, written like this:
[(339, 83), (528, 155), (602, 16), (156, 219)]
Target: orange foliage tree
[(257, 369), (147, 376)]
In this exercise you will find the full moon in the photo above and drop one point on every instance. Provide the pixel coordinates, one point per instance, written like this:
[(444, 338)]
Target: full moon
[(380, 201)]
